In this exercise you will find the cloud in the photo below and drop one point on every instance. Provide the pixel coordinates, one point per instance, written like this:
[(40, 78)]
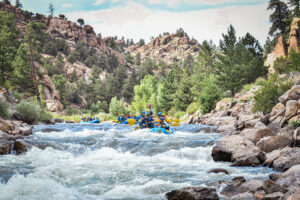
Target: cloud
[(137, 21), (67, 5), (98, 2)]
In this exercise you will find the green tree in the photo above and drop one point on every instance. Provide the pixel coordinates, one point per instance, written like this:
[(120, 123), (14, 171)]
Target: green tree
[(18, 4), (51, 9), (141, 42), (296, 7), (128, 88), (22, 71), (73, 57), (8, 44), (80, 21), (117, 107), (183, 96), (210, 94), (239, 62), (60, 84), (278, 18)]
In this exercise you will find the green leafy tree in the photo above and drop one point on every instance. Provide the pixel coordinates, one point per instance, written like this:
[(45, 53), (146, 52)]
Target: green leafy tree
[(8, 44), (210, 94), (117, 107), (128, 88), (267, 96), (278, 18), (73, 94)]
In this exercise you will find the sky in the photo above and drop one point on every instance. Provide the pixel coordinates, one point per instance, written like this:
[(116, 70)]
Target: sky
[(201, 19)]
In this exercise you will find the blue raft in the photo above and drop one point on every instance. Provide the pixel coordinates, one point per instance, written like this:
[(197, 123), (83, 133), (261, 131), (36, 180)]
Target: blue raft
[(96, 121), (162, 130)]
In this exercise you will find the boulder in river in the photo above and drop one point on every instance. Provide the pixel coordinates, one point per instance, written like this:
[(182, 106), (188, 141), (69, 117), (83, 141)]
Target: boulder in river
[(193, 193), (218, 170), (236, 188), (237, 149), (20, 146), (270, 186)]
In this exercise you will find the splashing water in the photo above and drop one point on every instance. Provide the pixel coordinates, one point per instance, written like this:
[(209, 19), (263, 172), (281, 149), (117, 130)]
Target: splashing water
[(91, 162)]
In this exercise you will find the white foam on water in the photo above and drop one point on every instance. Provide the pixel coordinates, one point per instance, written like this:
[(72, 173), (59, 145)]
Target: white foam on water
[(108, 173)]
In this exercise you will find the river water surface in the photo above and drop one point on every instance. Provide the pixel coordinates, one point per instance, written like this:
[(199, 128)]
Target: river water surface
[(106, 161)]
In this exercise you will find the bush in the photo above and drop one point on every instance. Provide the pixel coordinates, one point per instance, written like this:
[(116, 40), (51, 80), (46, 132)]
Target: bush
[(260, 81), (179, 114), (293, 124), (73, 94), (98, 107), (267, 96), (31, 112), (71, 111), (247, 87), (3, 109), (73, 57), (192, 108), (281, 65), (117, 107), (210, 94)]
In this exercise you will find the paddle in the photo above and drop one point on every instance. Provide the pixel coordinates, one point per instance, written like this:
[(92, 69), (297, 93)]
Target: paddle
[(176, 120), (137, 128)]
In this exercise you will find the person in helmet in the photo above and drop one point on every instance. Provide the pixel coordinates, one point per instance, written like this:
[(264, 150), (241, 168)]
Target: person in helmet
[(121, 118), (151, 110), (163, 124), (150, 121), (143, 120)]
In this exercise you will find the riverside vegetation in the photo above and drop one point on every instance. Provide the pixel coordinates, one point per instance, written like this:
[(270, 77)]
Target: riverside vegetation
[(54, 68)]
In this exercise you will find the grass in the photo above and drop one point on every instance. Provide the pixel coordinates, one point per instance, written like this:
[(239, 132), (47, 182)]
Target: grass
[(77, 117)]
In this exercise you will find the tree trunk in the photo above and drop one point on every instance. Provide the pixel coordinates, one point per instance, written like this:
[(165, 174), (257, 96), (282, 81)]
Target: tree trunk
[(33, 73)]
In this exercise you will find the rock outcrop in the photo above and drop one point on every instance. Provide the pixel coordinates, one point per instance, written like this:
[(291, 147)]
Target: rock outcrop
[(167, 48)]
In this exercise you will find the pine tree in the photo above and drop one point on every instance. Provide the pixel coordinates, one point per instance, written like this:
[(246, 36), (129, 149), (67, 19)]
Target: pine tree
[(183, 96), (18, 4), (296, 7), (51, 9), (8, 44), (128, 88), (279, 17)]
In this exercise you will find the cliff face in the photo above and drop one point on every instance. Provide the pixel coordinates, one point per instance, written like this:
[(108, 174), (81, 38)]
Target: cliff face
[(167, 48), (282, 48)]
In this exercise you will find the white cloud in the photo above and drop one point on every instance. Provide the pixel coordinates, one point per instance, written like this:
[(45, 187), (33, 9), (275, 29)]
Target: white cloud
[(67, 5), (98, 2), (137, 21)]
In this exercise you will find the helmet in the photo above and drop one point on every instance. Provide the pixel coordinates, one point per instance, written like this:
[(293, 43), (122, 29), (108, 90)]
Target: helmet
[(146, 113), (159, 114), (143, 112), (161, 118), (149, 104)]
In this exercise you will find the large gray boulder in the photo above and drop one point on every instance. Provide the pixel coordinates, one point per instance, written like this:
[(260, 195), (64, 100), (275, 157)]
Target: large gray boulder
[(237, 149), (288, 158), (236, 188), (193, 193), (255, 135), (292, 94), (271, 143), (290, 179)]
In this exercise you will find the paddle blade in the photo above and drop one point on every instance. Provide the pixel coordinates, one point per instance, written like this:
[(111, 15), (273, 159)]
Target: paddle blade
[(175, 124), (131, 121), (137, 128)]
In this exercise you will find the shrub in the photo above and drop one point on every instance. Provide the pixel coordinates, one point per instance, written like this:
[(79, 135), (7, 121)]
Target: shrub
[(210, 94), (31, 112), (267, 96), (98, 107), (73, 94), (247, 87), (179, 114), (71, 111), (3, 109), (73, 57), (281, 65), (192, 108), (117, 107), (260, 81), (293, 124)]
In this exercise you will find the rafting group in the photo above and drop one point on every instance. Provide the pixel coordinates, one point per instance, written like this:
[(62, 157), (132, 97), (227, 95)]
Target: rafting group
[(146, 120), (90, 120)]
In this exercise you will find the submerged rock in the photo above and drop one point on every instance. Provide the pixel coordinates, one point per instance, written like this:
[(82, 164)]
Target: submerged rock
[(218, 170), (193, 193)]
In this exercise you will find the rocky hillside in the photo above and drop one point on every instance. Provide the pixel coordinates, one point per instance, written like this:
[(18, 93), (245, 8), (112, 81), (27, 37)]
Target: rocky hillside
[(167, 48), (282, 47)]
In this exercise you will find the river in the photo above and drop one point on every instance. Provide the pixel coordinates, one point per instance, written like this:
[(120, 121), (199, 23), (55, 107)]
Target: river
[(106, 161)]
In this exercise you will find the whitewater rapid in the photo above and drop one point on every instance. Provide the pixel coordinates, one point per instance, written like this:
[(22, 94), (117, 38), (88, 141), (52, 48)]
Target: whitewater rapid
[(95, 162)]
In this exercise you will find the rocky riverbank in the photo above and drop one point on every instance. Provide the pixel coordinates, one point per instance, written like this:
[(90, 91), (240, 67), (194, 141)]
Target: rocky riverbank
[(253, 139)]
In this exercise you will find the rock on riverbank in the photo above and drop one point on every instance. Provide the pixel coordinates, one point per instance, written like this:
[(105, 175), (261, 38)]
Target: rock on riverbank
[(12, 133)]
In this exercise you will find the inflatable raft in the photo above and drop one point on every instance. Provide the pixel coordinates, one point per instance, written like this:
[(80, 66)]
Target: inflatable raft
[(162, 130), (96, 121)]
